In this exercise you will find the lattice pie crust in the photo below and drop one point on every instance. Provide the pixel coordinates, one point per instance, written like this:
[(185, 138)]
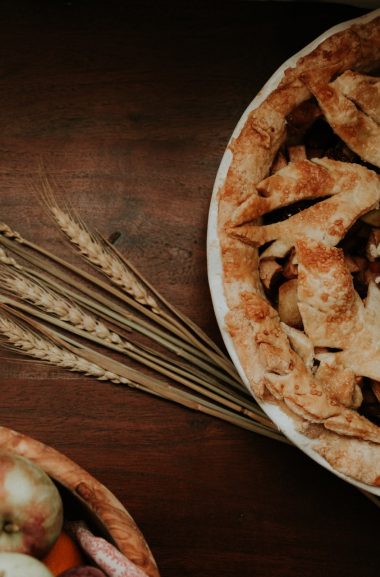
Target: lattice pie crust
[(300, 243)]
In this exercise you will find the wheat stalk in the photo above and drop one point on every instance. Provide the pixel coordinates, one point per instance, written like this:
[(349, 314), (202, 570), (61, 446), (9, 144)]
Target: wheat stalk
[(68, 311), (231, 399), (119, 316), (172, 334), (21, 339), (100, 253), (8, 260), (48, 346), (213, 364), (65, 309), (8, 232), (180, 374), (91, 248), (90, 245)]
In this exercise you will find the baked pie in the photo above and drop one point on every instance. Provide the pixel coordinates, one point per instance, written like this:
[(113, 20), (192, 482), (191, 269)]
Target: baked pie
[(298, 226)]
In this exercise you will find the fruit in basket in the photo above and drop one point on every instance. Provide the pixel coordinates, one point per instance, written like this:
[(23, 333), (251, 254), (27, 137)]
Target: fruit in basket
[(64, 555), (85, 571), (21, 565), (31, 510)]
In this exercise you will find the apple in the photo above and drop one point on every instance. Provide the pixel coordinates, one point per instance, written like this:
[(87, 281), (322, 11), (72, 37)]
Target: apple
[(31, 510), (20, 565)]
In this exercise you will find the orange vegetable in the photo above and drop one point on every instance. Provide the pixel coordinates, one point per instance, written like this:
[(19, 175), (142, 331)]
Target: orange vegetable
[(64, 554)]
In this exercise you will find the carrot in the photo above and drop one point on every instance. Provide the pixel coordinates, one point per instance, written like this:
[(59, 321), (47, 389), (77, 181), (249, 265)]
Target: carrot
[(64, 554)]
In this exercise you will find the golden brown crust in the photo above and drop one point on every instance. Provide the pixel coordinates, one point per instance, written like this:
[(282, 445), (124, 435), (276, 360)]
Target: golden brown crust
[(331, 309), (328, 221), (356, 47), (358, 130), (296, 181), (350, 456), (278, 359), (362, 355), (363, 90)]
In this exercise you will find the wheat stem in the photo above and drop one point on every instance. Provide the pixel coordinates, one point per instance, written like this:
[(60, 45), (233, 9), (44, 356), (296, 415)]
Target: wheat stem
[(375, 500), (182, 317), (207, 389), (92, 248), (181, 376), (46, 299), (18, 337), (166, 391), (66, 310), (111, 311), (48, 346), (102, 255), (138, 324), (109, 261), (7, 260)]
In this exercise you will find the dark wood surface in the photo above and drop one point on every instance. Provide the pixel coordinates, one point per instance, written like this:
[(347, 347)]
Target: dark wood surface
[(129, 105)]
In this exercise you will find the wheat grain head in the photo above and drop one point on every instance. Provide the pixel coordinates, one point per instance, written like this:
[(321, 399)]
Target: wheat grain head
[(18, 338), (96, 251), (28, 289), (8, 260), (8, 232)]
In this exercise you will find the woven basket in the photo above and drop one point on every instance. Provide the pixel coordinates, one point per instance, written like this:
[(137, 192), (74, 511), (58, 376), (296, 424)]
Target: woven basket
[(83, 494)]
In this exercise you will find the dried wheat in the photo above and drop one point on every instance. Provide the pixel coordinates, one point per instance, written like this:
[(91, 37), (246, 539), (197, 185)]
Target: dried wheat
[(96, 251), (53, 302), (8, 260), (23, 340), (6, 231)]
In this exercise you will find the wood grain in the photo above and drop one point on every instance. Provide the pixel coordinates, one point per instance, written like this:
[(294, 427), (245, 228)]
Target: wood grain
[(129, 106)]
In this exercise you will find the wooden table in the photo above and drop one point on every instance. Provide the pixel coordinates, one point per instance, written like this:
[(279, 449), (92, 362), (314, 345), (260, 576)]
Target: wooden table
[(129, 105)]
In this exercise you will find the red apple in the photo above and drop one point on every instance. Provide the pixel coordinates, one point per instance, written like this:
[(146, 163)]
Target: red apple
[(20, 565), (31, 511)]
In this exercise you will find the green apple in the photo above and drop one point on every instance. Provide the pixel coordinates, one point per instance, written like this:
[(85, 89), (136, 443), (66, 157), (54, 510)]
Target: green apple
[(20, 565), (31, 511)]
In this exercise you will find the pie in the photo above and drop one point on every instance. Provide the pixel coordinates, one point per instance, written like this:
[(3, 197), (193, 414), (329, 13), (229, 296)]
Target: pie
[(298, 226)]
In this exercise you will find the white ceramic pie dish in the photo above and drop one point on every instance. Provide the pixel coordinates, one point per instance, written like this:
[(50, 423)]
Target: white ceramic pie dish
[(215, 266)]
